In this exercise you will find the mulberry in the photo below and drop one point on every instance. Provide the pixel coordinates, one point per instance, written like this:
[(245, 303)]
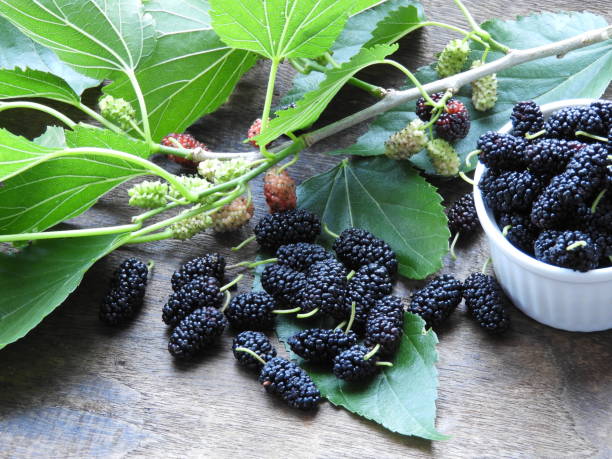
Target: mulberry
[(485, 301), (462, 216), (279, 191), (385, 324), (443, 157), (256, 342), (407, 142), (510, 190), (435, 302), (568, 249), (118, 111), (200, 292), (352, 365), (454, 122), (283, 283), (126, 292), (251, 311), (195, 332), (233, 215), (549, 157), (321, 345), (564, 123), (325, 289), (423, 110), (149, 194), (357, 247), (526, 119), (453, 58), (591, 122), (301, 255), (210, 265), (370, 283), (289, 227), (285, 378), (484, 90), (186, 141), (519, 231), (502, 151)]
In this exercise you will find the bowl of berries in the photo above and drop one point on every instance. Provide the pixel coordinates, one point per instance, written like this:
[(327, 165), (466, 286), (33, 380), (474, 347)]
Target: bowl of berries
[(543, 194)]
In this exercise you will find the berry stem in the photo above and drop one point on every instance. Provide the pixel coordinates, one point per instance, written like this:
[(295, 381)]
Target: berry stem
[(505, 230), (466, 178), (470, 155), (294, 160), (99, 118), (232, 283), (150, 265), (412, 78), (152, 237), (384, 364), (452, 247), (307, 315), (478, 30), (350, 275), (41, 108), (254, 264), (372, 353), (351, 318), (486, 265), (330, 232), (575, 245), (287, 311), (591, 136), (598, 200), (243, 244), (340, 325), (226, 301), (535, 135), (251, 353)]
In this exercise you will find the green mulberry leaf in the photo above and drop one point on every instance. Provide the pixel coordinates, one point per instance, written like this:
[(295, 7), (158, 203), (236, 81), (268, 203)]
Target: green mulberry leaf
[(310, 107), (389, 199), (51, 270), (280, 29), (17, 83)]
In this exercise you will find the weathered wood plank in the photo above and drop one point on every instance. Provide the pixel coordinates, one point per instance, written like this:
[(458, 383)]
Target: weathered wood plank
[(74, 388)]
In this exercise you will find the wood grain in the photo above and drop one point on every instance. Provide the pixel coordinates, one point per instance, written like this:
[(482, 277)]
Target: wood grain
[(74, 388)]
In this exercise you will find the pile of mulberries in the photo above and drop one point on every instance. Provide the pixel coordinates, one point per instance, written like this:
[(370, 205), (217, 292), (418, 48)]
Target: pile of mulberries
[(549, 183)]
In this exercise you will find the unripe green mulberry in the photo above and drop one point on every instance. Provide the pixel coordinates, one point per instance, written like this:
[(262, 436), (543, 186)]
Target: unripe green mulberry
[(118, 111), (484, 90), (149, 195), (192, 183), (221, 171), (452, 58), (189, 227), (443, 157), (407, 142)]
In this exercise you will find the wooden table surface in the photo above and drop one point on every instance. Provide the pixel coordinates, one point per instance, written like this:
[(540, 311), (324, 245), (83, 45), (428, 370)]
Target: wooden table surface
[(75, 388)]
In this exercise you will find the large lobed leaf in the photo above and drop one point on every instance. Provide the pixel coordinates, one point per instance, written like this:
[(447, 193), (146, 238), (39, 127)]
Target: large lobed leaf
[(190, 73), (99, 38), (585, 72), (18, 51), (384, 24), (390, 200), (37, 279), (49, 191), (280, 29), (401, 398), (310, 107)]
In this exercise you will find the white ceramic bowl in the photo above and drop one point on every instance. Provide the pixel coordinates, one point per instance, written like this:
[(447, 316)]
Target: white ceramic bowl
[(558, 297)]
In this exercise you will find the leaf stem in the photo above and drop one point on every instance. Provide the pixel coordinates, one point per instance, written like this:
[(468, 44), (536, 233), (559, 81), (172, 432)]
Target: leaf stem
[(167, 234), (41, 108), (68, 233), (144, 114), (265, 116)]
